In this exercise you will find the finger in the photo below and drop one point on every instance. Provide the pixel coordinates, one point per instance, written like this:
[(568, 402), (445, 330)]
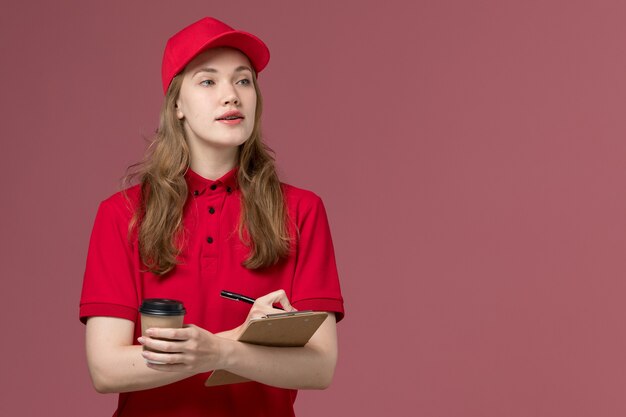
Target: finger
[(167, 346), (172, 334), (258, 311), (261, 310), (179, 367), (280, 297), (157, 358)]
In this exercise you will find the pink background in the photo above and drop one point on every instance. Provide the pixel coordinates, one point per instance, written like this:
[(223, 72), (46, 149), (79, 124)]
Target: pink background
[(471, 156)]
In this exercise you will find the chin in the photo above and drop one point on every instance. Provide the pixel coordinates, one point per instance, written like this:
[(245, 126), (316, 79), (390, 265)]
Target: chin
[(229, 143)]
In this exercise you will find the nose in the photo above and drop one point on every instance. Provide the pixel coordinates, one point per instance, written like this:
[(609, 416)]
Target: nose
[(231, 98)]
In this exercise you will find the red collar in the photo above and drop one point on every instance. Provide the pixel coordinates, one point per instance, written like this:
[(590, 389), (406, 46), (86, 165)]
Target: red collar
[(198, 185)]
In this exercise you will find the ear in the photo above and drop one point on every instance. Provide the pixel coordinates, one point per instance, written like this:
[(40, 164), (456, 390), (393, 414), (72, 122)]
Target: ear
[(179, 112)]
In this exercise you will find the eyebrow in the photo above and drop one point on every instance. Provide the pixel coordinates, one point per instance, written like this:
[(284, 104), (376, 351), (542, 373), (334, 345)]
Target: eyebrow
[(213, 70)]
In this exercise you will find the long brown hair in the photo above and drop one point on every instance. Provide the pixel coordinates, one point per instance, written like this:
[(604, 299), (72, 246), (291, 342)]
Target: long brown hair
[(158, 218)]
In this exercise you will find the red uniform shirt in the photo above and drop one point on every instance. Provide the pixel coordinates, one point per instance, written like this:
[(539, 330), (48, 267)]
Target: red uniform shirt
[(115, 284)]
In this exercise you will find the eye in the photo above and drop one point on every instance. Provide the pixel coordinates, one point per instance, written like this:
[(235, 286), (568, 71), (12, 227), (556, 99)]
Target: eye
[(245, 81), (207, 82)]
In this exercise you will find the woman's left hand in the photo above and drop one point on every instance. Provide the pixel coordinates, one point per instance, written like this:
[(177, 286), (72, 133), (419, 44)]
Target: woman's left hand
[(189, 349), (263, 306)]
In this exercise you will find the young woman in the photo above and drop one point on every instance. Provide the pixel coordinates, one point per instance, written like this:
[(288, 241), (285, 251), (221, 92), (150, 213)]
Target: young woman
[(208, 214)]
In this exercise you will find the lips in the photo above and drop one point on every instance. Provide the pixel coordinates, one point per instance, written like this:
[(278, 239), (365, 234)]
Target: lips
[(231, 115)]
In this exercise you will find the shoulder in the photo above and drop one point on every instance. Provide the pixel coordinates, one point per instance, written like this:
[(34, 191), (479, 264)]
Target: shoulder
[(113, 219), (300, 197), (300, 202), (121, 205)]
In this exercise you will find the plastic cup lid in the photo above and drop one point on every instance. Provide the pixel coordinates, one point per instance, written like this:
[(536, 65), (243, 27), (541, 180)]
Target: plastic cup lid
[(162, 307)]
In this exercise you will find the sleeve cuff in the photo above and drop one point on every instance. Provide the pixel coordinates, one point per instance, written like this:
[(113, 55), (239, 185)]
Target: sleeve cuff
[(109, 310), (321, 304)]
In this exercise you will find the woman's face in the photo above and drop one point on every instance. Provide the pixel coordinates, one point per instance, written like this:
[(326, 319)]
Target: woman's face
[(217, 82)]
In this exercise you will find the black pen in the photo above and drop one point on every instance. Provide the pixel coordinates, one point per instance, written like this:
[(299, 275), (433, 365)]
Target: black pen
[(238, 297)]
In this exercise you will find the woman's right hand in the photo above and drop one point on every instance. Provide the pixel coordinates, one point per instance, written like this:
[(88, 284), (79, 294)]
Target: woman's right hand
[(115, 363)]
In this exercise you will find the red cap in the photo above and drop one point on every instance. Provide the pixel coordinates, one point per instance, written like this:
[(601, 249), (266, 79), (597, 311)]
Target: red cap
[(204, 34)]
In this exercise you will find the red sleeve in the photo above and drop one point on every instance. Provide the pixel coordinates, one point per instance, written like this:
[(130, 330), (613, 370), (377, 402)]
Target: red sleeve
[(109, 282), (316, 282)]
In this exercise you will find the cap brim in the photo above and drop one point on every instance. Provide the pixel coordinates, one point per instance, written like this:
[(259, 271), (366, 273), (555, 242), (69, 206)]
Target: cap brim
[(253, 47)]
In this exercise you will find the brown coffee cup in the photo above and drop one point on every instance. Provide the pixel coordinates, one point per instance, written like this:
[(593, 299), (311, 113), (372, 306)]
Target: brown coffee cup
[(161, 313)]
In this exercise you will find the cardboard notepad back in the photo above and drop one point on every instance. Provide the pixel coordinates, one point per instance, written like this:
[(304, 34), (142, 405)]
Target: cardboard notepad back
[(287, 331)]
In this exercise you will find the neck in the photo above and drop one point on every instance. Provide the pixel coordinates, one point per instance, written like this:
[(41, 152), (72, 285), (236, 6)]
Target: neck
[(213, 163)]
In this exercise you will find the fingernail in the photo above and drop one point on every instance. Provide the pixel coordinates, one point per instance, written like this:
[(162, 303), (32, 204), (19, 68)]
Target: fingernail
[(149, 332), (141, 340)]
